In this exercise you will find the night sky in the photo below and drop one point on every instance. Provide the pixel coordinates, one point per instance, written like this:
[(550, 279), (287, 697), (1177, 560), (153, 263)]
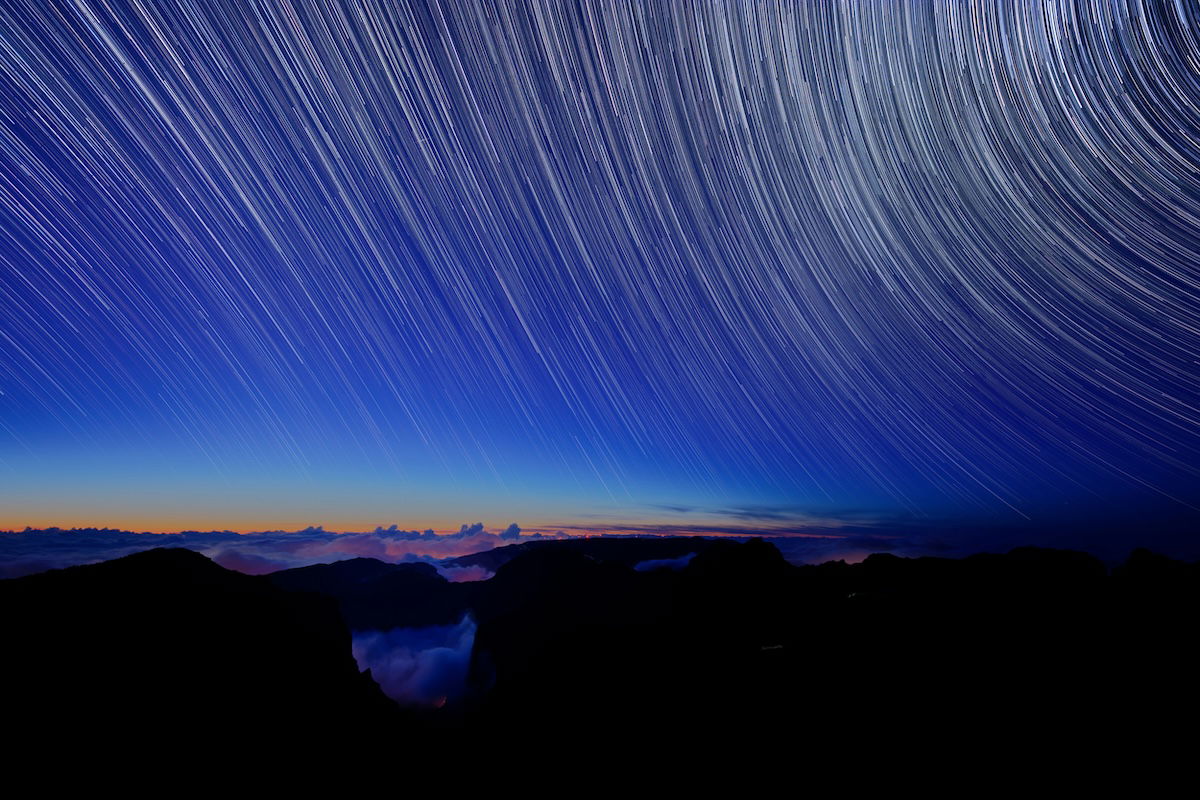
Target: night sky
[(785, 266)]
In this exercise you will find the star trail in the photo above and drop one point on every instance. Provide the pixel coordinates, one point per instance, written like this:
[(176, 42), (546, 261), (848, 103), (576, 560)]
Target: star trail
[(358, 263)]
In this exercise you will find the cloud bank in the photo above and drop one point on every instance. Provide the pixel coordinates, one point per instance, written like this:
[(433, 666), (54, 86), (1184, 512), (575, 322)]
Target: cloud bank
[(424, 667), (30, 551)]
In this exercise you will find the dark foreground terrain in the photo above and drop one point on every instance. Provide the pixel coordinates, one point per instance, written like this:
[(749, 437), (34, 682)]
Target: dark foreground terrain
[(1033, 651)]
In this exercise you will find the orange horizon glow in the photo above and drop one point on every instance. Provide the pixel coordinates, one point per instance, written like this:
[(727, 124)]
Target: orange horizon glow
[(573, 529)]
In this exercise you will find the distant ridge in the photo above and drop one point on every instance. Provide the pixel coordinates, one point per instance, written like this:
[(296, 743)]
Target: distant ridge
[(623, 549)]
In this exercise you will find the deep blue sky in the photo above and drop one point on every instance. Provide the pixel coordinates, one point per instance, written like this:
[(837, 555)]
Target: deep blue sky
[(278, 263)]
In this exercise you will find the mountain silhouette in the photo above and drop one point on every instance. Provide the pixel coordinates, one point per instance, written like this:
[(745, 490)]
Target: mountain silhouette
[(627, 550), (373, 594), (1034, 648), (169, 646)]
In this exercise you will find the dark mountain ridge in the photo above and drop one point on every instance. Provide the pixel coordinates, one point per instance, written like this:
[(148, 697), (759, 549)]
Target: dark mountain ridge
[(169, 644), (1047, 645), (627, 550)]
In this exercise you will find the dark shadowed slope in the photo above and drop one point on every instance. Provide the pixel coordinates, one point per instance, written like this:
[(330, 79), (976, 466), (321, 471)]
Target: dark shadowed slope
[(628, 550), (1036, 652), (377, 595), (1031, 654), (166, 646)]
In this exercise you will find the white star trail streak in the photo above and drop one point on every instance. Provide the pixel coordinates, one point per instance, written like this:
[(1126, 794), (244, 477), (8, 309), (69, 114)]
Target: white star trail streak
[(925, 257)]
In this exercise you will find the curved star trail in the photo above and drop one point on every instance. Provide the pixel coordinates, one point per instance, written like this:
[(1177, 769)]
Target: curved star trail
[(923, 257)]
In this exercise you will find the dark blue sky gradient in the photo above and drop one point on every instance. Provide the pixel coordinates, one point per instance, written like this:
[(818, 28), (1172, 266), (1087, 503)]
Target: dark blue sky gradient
[(356, 263)]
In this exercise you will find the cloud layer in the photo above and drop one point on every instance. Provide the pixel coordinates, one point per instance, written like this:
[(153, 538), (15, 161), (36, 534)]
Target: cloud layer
[(30, 551), (424, 667)]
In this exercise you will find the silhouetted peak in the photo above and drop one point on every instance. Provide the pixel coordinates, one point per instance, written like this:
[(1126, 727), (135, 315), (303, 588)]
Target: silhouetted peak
[(754, 559), (1143, 557), (762, 551), (557, 575), (162, 565), (358, 567), (179, 645), (886, 560), (543, 563), (1056, 566), (168, 556), (1146, 565), (351, 572)]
